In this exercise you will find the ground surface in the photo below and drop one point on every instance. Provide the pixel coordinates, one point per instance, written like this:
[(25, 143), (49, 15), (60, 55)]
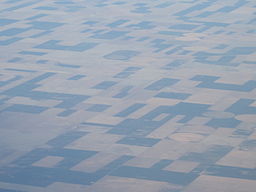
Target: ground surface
[(130, 96)]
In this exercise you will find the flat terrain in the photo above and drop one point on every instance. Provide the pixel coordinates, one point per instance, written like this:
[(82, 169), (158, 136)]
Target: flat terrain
[(127, 96)]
